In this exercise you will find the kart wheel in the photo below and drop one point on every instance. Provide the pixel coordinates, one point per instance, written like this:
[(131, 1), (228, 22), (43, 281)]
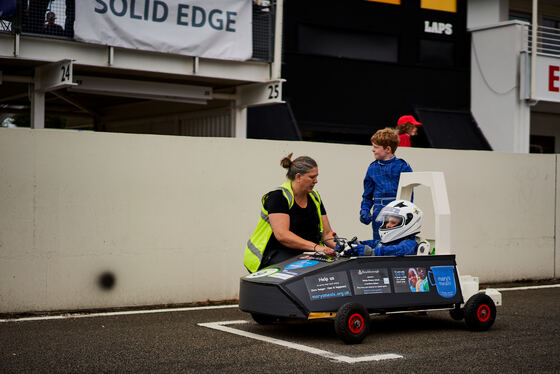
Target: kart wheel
[(351, 323), (480, 312), (263, 319), (457, 314)]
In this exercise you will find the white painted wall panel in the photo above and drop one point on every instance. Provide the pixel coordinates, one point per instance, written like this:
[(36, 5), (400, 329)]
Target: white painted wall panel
[(170, 216), (495, 79)]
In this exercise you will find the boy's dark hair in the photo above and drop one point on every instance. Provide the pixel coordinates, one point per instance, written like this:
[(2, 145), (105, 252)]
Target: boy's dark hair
[(386, 138)]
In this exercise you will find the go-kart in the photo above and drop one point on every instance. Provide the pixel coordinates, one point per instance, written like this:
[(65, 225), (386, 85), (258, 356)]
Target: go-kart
[(349, 289)]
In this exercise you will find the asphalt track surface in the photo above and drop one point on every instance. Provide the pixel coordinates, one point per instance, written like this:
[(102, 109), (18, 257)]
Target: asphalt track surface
[(525, 338)]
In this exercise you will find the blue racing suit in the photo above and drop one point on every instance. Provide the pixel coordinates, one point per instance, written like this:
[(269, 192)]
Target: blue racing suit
[(402, 247), (380, 188)]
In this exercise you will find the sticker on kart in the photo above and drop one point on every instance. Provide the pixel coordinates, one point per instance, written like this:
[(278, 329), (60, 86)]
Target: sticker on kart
[(301, 264), (367, 281), (263, 273), (325, 286)]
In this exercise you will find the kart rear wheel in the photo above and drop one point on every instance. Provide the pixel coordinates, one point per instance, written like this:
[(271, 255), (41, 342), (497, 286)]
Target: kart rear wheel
[(351, 323), (263, 319), (480, 312)]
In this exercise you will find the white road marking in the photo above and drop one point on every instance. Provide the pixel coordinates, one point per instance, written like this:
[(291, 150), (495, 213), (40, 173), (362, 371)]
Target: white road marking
[(221, 326), (527, 287), (120, 313), (187, 309)]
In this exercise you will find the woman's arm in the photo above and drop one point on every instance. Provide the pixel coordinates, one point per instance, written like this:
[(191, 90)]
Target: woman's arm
[(280, 223), (327, 232)]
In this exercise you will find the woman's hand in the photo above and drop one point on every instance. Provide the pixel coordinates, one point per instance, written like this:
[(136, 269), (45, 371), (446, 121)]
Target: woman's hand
[(325, 250)]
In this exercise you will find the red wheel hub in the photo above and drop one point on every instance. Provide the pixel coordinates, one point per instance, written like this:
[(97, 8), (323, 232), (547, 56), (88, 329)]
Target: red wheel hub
[(356, 323), (483, 313)]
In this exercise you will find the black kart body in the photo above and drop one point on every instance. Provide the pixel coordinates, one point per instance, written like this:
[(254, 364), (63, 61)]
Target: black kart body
[(312, 286)]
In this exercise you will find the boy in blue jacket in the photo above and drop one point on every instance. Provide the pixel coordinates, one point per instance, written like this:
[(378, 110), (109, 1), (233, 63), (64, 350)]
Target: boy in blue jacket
[(382, 177)]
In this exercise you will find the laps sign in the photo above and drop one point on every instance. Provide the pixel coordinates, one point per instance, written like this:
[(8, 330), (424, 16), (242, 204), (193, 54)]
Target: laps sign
[(218, 29)]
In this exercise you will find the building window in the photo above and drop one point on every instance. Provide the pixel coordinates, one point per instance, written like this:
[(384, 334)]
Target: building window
[(551, 22), (436, 53), (541, 144), (347, 44), (550, 36), (520, 16)]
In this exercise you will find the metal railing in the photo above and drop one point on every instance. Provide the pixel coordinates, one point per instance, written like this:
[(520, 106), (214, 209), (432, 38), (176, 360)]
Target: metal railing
[(55, 19), (548, 41)]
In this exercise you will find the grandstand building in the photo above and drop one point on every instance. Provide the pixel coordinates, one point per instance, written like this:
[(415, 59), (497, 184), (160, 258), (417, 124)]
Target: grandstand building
[(474, 72)]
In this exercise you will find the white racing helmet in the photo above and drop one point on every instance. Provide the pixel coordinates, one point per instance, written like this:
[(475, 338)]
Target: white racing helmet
[(399, 219)]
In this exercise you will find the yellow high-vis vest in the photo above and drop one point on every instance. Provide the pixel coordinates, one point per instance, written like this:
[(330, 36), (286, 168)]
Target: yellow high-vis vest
[(258, 241)]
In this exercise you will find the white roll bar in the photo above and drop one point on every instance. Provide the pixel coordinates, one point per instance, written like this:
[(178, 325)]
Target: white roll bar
[(436, 182)]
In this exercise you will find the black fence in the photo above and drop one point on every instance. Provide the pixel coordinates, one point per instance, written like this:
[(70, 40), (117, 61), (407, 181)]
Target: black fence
[(55, 18), (263, 30), (38, 17)]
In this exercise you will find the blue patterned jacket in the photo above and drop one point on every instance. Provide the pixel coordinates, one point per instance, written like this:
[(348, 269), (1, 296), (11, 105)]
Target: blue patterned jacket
[(404, 247), (381, 182)]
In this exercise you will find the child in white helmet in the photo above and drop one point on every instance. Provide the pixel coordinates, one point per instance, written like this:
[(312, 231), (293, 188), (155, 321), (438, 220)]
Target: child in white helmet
[(400, 221)]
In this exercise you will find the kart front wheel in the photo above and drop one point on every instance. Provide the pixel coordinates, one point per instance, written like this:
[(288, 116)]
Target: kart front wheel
[(480, 312), (351, 323)]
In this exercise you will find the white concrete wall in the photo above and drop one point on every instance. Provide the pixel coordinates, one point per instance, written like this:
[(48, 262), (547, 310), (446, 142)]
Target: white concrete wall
[(170, 216), (486, 12), (495, 79)]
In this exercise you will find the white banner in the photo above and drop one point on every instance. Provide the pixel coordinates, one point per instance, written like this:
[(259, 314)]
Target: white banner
[(548, 78), (219, 29)]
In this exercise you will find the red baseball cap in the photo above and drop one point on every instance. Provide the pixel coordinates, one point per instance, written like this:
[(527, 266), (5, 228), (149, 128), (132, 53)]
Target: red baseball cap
[(408, 119)]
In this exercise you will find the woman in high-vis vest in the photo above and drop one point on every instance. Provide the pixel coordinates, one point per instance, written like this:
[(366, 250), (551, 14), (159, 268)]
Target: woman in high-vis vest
[(293, 219)]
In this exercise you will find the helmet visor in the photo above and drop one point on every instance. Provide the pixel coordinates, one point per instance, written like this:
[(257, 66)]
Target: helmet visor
[(391, 221), (389, 218)]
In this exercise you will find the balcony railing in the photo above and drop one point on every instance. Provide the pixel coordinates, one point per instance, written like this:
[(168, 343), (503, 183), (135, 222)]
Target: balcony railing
[(548, 41), (55, 19)]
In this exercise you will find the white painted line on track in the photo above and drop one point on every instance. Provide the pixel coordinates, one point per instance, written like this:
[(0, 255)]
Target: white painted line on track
[(221, 326), (119, 313), (527, 287), (194, 308)]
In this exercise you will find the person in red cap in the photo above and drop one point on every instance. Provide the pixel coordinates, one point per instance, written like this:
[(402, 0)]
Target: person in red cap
[(407, 127)]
